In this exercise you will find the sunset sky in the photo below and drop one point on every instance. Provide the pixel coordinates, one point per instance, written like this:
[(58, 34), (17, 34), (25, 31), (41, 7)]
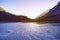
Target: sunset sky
[(29, 8)]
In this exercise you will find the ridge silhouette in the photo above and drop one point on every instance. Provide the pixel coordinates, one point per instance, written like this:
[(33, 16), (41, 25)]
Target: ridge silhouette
[(8, 17), (50, 16)]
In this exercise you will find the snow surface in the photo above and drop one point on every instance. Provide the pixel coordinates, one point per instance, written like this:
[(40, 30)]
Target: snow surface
[(29, 31)]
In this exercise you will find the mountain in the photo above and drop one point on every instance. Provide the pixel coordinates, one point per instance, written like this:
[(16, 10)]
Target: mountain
[(50, 16), (1, 9), (8, 17)]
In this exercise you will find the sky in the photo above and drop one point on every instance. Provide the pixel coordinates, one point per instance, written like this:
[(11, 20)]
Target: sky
[(29, 8)]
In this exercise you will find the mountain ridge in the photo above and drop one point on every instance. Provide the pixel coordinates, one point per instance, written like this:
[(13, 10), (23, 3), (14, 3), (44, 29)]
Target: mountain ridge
[(9, 17), (50, 16), (53, 16)]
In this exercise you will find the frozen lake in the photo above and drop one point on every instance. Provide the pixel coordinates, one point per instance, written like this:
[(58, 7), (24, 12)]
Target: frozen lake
[(29, 31)]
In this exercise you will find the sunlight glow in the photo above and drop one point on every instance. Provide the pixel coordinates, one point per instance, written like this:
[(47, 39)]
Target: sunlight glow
[(29, 8), (32, 28)]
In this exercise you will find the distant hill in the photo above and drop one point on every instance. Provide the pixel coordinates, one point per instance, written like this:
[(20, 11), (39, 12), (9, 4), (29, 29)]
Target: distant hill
[(50, 16), (8, 17)]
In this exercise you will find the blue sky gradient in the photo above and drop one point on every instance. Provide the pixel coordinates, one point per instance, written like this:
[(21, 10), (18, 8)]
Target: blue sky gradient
[(30, 8)]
